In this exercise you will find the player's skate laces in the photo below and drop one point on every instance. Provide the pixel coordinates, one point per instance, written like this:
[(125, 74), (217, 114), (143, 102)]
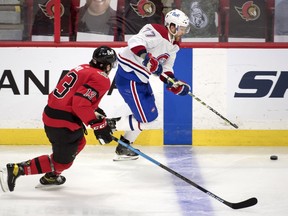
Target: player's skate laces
[(123, 153), (13, 172), (52, 179)]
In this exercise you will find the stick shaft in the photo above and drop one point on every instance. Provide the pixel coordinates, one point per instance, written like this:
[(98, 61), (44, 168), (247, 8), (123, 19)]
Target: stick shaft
[(244, 204), (213, 110), (203, 103)]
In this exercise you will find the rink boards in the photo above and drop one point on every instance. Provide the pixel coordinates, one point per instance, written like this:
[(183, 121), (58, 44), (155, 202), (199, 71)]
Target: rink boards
[(243, 85)]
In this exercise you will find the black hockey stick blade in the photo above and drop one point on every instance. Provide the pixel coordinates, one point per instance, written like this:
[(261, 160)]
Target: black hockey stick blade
[(244, 204)]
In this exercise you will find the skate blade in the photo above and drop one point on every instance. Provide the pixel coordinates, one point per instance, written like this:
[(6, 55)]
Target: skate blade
[(48, 187), (125, 158), (3, 180)]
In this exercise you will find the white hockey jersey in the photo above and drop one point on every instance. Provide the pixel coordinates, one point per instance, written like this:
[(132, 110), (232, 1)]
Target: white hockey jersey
[(155, 38)]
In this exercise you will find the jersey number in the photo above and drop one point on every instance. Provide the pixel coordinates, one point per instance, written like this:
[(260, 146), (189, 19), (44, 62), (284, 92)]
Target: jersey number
[(66, 86), (149, 32)]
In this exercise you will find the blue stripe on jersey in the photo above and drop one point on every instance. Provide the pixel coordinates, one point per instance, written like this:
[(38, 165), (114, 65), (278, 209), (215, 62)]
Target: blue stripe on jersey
[(130, 122), (133, 68), (178, 109)]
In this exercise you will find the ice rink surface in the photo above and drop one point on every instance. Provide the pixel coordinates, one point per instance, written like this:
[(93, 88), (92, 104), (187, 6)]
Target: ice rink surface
[(98, 186)]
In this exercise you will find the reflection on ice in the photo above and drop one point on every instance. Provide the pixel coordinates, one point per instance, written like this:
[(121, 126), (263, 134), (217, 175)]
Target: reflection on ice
[(98, 186)]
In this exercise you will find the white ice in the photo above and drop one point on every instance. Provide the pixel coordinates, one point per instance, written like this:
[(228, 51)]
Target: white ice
[(98, 186)]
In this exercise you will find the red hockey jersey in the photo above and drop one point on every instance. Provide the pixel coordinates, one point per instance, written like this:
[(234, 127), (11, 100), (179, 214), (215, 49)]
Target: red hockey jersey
[(76, 97)]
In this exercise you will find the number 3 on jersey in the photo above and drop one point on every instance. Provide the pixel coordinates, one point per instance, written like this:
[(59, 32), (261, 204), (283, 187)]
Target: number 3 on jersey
[(67, 85)]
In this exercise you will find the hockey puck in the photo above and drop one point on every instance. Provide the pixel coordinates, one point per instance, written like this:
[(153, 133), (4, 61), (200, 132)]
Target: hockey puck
[(273, 157)]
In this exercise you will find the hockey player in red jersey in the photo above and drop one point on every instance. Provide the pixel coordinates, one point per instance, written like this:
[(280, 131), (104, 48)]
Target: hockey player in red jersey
[(150, 52), (72, 103)]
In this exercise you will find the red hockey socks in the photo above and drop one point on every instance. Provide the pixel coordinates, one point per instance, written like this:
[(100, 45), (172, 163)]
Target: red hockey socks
[(38, 165)]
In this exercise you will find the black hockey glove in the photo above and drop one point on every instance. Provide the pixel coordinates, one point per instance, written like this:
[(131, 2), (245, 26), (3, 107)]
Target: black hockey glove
[(100, 112), (102, 131)]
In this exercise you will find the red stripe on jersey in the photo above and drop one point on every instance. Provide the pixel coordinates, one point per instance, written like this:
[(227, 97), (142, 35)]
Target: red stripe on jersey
[(139, 50), (163, 31), (137, 101), (135, 65), (139, 126), (57, 123)]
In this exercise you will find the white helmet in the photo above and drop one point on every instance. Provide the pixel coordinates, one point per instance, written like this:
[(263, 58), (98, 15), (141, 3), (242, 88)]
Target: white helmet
[(178, 18)]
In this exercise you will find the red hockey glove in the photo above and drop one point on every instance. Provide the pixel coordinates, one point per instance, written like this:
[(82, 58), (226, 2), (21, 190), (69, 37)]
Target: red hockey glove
[(178, 87), (152, 64), (102, 130)]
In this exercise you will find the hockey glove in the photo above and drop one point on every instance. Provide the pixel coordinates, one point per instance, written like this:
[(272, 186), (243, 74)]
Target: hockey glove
[(100, 112), (178, 87), (152, 64), (102, 131)]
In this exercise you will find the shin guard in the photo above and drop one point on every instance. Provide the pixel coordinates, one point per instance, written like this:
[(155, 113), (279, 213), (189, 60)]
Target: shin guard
[(41, 164)]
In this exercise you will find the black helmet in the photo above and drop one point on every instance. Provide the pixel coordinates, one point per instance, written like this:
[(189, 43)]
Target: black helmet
[(102, 57)]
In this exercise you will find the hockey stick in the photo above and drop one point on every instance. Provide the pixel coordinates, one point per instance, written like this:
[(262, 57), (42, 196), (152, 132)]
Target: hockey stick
[(239, 205), (203, 103)]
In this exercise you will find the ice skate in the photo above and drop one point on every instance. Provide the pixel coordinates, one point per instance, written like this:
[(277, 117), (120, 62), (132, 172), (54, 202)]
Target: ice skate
[(123, 153), (51, 179), (13, 171), (3, 180)]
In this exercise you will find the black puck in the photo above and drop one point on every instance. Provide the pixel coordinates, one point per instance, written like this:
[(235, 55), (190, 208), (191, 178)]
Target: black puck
[(273, 157)]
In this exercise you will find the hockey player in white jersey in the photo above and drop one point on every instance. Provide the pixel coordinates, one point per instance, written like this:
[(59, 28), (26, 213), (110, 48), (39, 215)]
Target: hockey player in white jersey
[(150, 52)]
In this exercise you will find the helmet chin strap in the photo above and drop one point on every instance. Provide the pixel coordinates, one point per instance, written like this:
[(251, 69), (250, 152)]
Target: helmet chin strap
[(171, 37), (106, 69), (171, 34)]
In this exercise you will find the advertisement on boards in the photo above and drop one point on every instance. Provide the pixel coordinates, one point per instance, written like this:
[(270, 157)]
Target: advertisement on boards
[(258, 83), (246, 86), (28, 75)]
